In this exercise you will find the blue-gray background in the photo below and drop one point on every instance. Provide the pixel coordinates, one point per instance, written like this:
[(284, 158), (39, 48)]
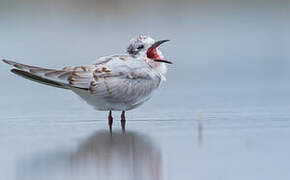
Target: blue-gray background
[(222, 114)]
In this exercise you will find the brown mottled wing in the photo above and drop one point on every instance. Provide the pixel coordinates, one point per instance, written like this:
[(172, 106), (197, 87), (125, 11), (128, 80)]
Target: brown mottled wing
[(64, 77), (82, 76), (115, 80), (125, 86)]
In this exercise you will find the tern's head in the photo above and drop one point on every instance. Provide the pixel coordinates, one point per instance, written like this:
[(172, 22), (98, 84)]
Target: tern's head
[(146, 46)]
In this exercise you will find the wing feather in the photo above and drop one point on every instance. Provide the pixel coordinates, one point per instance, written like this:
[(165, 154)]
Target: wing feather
[(128, 87), (116, 78), (63, 77)]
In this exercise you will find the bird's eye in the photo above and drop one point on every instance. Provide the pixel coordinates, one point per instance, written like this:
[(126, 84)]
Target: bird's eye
[(140, 47)]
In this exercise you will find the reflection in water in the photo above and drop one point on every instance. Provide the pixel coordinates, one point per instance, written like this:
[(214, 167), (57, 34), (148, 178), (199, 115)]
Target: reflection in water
[(199, 130), (101, 156)]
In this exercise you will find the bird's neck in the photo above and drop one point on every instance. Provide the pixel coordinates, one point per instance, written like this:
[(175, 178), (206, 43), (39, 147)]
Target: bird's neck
[(159, 67)]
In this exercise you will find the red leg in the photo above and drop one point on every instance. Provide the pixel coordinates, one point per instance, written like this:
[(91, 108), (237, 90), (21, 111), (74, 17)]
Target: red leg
[(123, 121), (110, 120)]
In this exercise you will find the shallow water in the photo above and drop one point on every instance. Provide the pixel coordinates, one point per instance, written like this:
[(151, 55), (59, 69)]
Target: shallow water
[(222, 138), (222, 114)]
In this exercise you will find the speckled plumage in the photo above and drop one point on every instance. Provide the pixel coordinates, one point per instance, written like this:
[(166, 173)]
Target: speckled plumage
[(116, 82)]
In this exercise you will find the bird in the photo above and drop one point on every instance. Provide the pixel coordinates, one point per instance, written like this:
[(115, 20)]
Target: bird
[(119, 82)]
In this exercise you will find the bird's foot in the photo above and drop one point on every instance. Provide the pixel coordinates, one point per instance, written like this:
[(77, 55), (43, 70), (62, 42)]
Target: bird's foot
[(123, 121), (110, 121)]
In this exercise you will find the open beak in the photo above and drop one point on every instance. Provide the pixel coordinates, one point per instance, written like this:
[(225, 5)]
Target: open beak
[(158, 43), (152, 52), (163, 60)]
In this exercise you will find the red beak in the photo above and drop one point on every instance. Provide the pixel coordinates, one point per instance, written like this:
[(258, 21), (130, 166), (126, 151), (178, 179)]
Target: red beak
[(152, 52)]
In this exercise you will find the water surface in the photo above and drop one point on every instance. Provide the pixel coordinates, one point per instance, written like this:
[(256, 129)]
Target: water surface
[(222, 114)]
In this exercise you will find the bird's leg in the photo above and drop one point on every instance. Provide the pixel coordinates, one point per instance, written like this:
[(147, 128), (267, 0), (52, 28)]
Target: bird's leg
[(123, 121), (110, 120)]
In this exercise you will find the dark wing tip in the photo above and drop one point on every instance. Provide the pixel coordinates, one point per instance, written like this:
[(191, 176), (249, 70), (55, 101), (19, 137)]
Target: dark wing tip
[(5, 60), (8, 61)]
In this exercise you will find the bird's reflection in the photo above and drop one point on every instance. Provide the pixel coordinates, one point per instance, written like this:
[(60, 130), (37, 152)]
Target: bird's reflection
[(103, 155), (116, 155)]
